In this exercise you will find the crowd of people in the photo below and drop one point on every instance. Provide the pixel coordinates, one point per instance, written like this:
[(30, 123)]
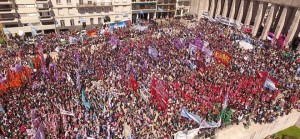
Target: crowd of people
[(103, 86)]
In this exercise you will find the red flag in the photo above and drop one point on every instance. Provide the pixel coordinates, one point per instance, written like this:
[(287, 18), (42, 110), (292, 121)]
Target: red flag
[(133, 83), (160, 93), (262, 75)]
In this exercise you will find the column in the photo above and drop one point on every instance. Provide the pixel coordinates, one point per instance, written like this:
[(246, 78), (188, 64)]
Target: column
[(281, 22), (269, 22), (137, 16), (206, 7), (241, 11), (232, 11), (212, 9), (148, 17), (249, 13), (225, 8), (293, 28), (154, 16), (219, 5), (201, 9), (181, 12), (258, 19)]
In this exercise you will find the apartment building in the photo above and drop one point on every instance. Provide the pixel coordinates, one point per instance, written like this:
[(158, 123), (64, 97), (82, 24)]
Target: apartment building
[(72, 14), (54, 15), (153, 9)]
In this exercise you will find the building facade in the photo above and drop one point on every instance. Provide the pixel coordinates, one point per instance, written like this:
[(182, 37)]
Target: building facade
[(54, 15), (155, 9), (183, 7), (264, 16)]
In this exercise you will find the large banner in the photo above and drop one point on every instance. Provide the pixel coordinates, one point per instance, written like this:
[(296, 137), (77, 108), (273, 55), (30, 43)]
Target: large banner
[(222, 57)]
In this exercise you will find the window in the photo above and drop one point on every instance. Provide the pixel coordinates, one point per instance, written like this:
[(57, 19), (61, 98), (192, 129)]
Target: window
[(80, 2), (69, 1), (90, 2), (99, 20), (60, 11), (62, 23), (72, 22), (58, 1), (70, 11), (92, 21)]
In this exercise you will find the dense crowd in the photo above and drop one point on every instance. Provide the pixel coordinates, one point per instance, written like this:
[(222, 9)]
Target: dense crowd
[(106, 87)]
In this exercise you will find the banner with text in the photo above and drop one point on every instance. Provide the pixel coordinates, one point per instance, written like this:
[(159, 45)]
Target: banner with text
[(222, 57)]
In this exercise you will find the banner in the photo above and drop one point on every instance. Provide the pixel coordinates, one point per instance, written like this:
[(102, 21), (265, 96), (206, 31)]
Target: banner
[(85, 103), (222, 57), (191, 116), (40, 133), (152, 52), (207, 51), (206, 124), (192, 49), (64, 112), (159, 93), (92, 33), (270, 84)]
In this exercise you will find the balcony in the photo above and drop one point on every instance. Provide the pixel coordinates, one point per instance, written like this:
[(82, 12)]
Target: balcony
[(45, 17), (6, 2), (7, 10), (42, 6), (42, 1), (94, 4), (143, 1), (166, 2), (8, 19)]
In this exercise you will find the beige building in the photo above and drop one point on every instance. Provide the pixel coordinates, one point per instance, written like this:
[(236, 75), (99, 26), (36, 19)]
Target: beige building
[(70, 14), (264, 16), (16, 15), (182, 7), (155, 9)]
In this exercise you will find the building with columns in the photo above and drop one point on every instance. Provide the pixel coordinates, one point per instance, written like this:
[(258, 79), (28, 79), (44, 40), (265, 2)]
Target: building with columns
[(154, 9), (52, 15), (183, 7), (264, 16)]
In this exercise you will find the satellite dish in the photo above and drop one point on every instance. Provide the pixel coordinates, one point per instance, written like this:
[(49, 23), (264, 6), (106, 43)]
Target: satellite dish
[(21, 33)]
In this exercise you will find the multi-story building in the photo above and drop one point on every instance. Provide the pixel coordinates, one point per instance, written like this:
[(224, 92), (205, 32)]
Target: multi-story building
[(51, 15), (182, 7), (72, 14), (143, 9), (166, 8), (154, 9)]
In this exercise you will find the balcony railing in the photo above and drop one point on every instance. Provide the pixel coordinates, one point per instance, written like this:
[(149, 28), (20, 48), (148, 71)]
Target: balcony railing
[(7, 18), (43, 7), (5, 9), (6, 2), (143, 1), (94, 4), (144, 8), (45, 17)]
